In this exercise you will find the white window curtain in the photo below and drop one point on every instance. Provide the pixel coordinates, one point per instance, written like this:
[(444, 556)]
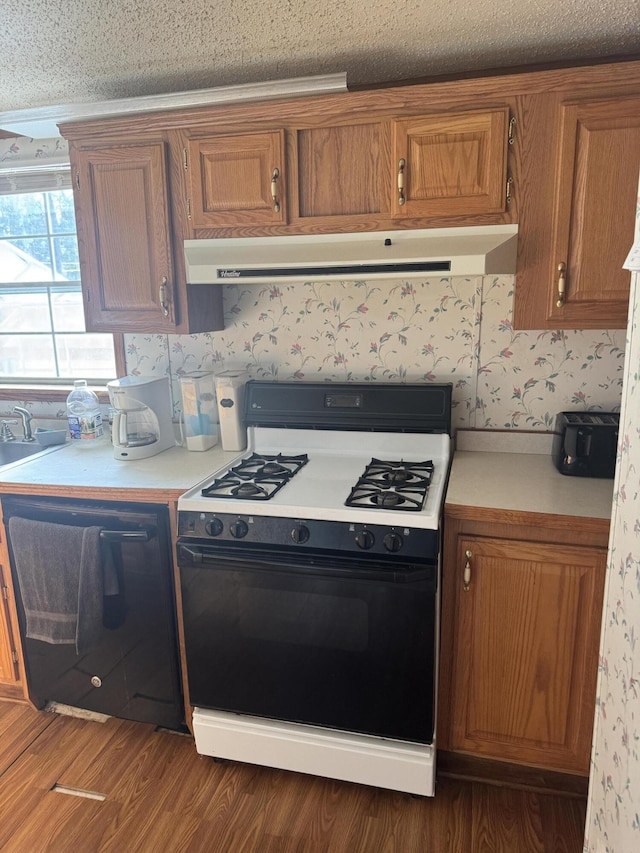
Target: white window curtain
[(34, 165)]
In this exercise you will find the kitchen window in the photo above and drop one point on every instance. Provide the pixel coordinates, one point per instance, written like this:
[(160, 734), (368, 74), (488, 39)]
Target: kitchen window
[(42, 332), (43, 342)]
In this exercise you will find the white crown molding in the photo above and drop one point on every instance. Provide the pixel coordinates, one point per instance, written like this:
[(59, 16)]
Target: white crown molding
[(42, 122)]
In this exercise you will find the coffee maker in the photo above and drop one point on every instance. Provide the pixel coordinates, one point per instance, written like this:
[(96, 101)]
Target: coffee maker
[(142, 423)]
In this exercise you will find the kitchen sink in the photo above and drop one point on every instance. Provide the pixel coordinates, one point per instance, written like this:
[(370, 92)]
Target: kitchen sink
[(12, 452)]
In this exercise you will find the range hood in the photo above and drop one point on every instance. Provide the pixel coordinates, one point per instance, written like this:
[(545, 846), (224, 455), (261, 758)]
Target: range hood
[(483, 250)]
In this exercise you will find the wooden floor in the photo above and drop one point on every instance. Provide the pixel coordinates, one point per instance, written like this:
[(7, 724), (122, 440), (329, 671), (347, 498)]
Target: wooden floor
[(161, 796)]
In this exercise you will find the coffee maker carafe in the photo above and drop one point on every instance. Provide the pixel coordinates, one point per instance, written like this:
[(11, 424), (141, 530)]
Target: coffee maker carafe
[(142, 423)]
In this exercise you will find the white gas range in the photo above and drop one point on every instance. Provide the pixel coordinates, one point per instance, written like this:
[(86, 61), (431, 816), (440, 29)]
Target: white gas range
[(310, 583)]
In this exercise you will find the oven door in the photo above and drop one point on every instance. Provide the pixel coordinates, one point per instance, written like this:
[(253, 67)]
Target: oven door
[(326, 640)]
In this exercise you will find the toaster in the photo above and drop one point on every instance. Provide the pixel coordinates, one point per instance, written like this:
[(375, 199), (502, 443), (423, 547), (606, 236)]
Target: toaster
[(584, 444)]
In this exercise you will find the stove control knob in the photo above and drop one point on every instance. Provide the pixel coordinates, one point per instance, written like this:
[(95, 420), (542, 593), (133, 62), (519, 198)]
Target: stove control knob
[(300, 534), (214, 527), (238, 529), (365, 539), (393, 542)]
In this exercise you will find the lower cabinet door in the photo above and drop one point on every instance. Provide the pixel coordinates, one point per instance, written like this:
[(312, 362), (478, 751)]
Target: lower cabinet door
[(526, 651), (8, 666)]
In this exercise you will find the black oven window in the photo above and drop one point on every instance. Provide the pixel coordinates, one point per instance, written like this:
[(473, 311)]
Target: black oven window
[(300, 618)]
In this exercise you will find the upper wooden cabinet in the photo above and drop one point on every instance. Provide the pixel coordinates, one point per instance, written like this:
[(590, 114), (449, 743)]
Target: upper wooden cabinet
[(595, 206), (341, 170), (130, 245), (451, 164), (555, 151), (345, 175), (237, 180), (579, 282), (124, 235)]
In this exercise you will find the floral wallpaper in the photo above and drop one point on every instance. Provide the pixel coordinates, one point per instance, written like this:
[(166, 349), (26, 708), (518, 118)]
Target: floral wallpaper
[(436, 330), (613, 814), (19, 154), (441, 329)]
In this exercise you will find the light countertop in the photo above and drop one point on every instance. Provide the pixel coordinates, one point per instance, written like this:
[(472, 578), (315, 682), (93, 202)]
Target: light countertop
[(169, 473), (516, 481), (523, 482)]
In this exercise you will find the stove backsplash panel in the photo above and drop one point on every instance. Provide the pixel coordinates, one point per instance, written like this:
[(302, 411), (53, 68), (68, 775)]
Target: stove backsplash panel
[(441, 329)]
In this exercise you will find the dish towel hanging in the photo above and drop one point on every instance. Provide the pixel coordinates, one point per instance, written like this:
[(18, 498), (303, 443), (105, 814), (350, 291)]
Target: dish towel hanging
[(60, 575)]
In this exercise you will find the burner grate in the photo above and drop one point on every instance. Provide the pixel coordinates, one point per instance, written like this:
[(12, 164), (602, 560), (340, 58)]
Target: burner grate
[(392, 485), (257, 478)]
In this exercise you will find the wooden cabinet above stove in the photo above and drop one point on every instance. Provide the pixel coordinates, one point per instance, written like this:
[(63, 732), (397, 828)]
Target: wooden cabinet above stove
[(489, 150)]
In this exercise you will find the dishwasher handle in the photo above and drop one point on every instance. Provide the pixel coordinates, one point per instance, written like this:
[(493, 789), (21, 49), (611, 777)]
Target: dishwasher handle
[(127, 535)]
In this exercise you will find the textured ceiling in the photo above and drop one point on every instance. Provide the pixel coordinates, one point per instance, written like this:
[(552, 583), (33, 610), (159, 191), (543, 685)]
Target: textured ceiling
[(81, 51)]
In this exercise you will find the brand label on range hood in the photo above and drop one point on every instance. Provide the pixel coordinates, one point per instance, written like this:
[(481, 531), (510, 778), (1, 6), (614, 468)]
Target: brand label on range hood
[(343, 270), (484, 250)]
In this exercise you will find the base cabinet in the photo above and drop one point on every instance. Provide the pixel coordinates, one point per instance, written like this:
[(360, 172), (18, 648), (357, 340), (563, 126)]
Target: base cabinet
[(10, 681), (522, 656), (8, 662)]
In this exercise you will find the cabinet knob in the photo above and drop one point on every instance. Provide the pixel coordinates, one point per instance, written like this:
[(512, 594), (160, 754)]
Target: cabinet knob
[(466, 577), (562, 284), (401, 167), (274, 189), (162, 295)]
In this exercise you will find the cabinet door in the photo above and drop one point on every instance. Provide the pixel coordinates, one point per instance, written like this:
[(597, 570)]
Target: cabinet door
[(124, 237), (526, 651), (8, 667), (342, 170), (451, 164), (237, 180), (597, 185)]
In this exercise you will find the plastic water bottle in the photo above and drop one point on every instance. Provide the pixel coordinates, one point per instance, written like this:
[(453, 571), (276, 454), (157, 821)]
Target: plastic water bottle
[(84, 416)]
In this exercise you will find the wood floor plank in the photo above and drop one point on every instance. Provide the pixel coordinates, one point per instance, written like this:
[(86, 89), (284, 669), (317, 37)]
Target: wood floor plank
[(20, 725), (33, 774), (505, 819), (562, 821), (60, 822), (162, 796)]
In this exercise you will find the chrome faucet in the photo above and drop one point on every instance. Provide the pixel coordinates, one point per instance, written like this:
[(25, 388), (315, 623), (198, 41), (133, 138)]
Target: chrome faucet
[(26, 416), (5, 432)]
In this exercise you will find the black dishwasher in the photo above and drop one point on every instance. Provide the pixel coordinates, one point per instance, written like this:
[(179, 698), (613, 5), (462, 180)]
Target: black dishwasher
[(131, 669)]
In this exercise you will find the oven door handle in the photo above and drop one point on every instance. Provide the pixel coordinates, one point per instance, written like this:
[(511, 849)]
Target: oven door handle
[(316, 565)]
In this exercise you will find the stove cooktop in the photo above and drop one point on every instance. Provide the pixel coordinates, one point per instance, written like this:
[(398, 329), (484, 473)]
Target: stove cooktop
[(325, 473)]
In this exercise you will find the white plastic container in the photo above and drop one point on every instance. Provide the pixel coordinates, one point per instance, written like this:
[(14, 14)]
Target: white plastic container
[(230, 393), (199, 410), (84, 415)]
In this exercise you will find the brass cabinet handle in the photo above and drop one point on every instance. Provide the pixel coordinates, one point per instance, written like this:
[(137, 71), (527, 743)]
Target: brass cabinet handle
[(466, 577), (508, 195), (162, 294), (512, 130), (401, 167), (274, 189), (562, 284)]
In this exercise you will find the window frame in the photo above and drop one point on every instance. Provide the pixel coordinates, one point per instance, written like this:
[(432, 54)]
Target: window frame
[(29, 176), (41, 392)]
